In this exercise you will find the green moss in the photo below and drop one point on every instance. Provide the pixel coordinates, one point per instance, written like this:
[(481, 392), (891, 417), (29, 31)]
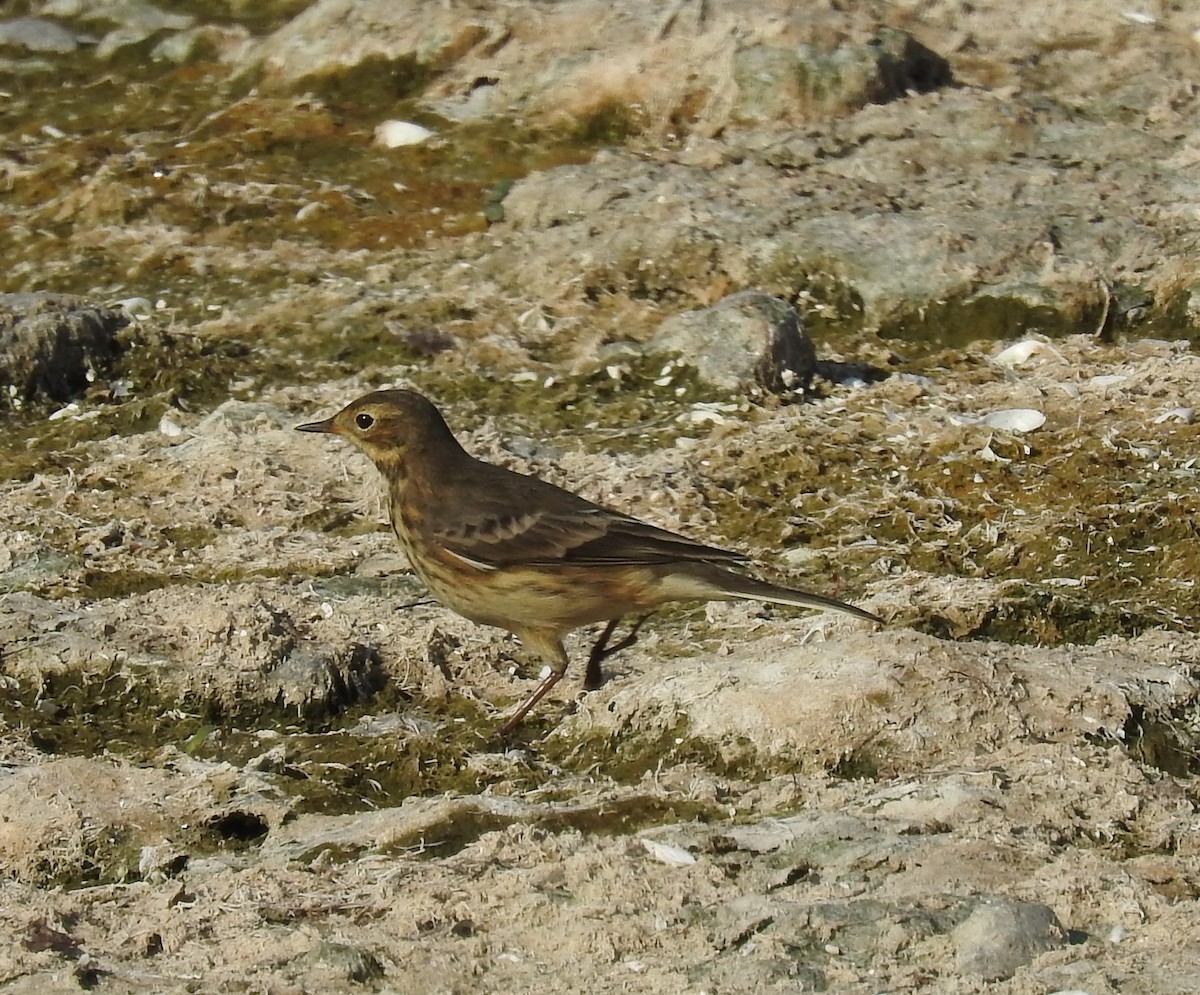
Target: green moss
[(832, 308), (175, 365), (162, 368), (189, 537), (620, 816), (1169, 742), (1137, 312), (961, 321), (254, 169), (861, 765), (1127, 310), (123, 712), (631, 412), (609, 124), (120, 583), (371, 86)]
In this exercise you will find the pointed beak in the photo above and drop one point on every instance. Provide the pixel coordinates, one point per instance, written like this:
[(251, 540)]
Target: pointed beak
[(325, 426)]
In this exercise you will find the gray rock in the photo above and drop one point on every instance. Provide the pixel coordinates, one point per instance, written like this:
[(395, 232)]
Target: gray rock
[(1001, 936), (344, 961), (42, 638), (316, 681), (35, 34), (780, 82), (199, 42), (51, 343), (135, 14), (749, 337), (331, 35)]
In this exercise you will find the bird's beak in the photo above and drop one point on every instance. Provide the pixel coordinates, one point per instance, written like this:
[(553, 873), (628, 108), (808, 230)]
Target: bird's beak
[(326, 426)]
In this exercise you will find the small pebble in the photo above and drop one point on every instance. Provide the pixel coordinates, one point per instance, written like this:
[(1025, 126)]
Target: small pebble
[(395, 134), (672, 856), (1015, 420)]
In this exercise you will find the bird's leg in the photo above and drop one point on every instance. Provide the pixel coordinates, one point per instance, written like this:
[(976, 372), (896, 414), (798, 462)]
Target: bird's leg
[(549, 645), (546, 643), (527, 706), (592, 678)]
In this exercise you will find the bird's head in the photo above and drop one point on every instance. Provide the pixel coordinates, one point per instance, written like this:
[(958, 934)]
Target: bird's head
[(391, 427)]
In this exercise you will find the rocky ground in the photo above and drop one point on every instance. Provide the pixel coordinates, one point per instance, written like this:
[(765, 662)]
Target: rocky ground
[(240, 750)]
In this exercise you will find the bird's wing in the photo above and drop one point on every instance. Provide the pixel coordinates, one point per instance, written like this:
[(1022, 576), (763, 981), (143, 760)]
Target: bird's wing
[(628, 540), (553, 526)]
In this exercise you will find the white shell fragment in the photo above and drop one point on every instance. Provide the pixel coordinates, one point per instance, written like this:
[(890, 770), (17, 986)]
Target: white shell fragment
[(700, 416), (1109, 380), (1015, 420), (1139, 17), (1185, 416), (136, 307), (706, 412), (64, 412), (169, 427), (394, 134), (1015, 355), (1021, 352), (673, 856)]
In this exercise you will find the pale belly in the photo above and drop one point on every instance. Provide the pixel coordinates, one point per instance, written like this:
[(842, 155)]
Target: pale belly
[(522, 598), (559, 597)]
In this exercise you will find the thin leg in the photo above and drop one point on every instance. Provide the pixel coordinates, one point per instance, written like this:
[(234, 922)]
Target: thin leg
[(593, 678), (540, 692), (547, 644)]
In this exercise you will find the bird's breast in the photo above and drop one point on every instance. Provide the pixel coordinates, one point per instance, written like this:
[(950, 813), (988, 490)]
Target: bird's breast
[(456, 582)]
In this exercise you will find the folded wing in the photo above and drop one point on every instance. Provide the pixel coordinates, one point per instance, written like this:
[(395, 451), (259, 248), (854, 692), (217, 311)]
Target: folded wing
[(558, 527)]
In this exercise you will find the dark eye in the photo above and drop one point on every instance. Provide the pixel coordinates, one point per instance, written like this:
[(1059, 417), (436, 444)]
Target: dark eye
[(363, 420)]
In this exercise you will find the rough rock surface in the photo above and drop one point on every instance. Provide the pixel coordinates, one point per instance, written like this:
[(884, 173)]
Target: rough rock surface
[(53, 345), (1000, 937), (749, 339), (241, 750)]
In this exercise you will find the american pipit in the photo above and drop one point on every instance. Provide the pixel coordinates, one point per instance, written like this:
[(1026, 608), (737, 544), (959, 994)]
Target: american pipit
[(506, 549)]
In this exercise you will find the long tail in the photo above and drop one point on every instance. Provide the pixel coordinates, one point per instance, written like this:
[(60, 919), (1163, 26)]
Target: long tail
[(733, 585)]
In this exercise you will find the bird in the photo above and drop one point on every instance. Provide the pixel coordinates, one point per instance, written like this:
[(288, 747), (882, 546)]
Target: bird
[(511, 550)]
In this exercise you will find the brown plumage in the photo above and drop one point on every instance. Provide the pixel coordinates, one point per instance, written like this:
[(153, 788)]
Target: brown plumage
[(506, 549)]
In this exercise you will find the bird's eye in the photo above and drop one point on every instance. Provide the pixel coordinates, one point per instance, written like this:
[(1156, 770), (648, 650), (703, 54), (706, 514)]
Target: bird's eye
[(363, 420)]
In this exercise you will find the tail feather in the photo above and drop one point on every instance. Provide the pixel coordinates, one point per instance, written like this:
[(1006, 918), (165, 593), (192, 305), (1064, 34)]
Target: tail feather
[(732, 585)]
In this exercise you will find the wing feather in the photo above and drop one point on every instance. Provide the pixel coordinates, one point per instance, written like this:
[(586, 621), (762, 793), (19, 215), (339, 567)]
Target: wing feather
[(555, 527)]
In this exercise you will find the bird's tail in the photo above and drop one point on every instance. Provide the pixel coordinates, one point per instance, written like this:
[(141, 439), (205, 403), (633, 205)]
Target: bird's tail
[(732, 585)]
